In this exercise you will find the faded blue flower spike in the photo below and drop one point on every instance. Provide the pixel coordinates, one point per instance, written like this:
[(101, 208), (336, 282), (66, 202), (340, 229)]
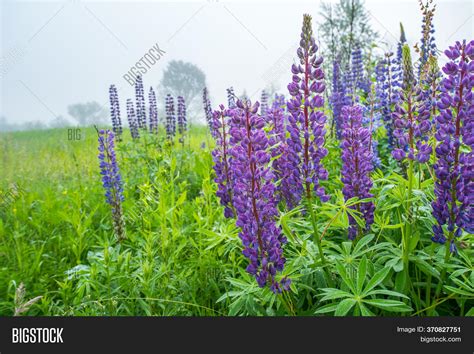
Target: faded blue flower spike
[(111, 180)]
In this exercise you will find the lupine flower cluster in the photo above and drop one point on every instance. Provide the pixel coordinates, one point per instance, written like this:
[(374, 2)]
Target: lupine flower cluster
[(222, 159), (453, 208), (140, 101), (132, 120), (170, 123), (153, 111), (115, 112), (356, 166), (371, 119), (388, 84), (207, 108), (412, 121), (337, 99), (111, 180), (254, 197), (430, 80), (275, 119), (182, 121), (358, 78), (278, 101), (428, 45), (401, 43), (306, 121)]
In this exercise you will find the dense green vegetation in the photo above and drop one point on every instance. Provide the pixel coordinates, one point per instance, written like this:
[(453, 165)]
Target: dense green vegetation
[(182, 257)]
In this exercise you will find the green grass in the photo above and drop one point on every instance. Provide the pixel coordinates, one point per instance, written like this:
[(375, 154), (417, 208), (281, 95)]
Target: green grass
[(182, 257)]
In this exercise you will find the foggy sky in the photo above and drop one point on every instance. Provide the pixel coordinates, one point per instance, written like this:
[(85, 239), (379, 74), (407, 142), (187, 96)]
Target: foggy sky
[(58, 53)]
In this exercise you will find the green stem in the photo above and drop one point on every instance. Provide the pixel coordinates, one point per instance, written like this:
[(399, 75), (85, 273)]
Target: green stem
[(408, 225), (318, 241)]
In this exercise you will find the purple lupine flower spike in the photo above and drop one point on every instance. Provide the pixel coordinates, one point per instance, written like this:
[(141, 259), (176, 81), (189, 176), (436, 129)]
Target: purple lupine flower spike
[(222, 159), (182, 122), (279, 101), (371, 119), (115, 112), (359, 81), (411, 129), (401, 43), (275, 119), (170, 123), (153, 111), (207, 108), (388, 84), (132, 120), (337, 98), (111, 180), (428, 45), (357, 164), (254, 197), (453, 207), (140, 103), (306, 121)]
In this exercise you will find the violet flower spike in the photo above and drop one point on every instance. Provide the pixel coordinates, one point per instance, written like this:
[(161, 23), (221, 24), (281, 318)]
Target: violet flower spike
[(428, 45), (307, 121), (207, 108), (222, 159), (275, 119), (153, 111), (453, 207), (170, 123), (111, 180), (254, 197), (411, 119), (337, 98), (140, 103), (401, 43), (388, 85), (115, 112), (182, 121), (357, 164), (132, 120)]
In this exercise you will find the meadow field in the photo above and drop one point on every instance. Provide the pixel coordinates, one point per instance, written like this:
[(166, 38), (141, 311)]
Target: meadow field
[(181, 256)]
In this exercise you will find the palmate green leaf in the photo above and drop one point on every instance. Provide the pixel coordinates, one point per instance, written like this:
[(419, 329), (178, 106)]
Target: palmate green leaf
[(356, 215), (470, 313), (345, 278), (376, 280), (459, 272), (365, 311), (464, 285), (389, 305), (326, 308), (344, 307), (387, 292), (333, 294), (362, 243), (459, 291)]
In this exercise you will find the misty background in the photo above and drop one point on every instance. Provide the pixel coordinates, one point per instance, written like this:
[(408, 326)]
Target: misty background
[(55, 55)]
